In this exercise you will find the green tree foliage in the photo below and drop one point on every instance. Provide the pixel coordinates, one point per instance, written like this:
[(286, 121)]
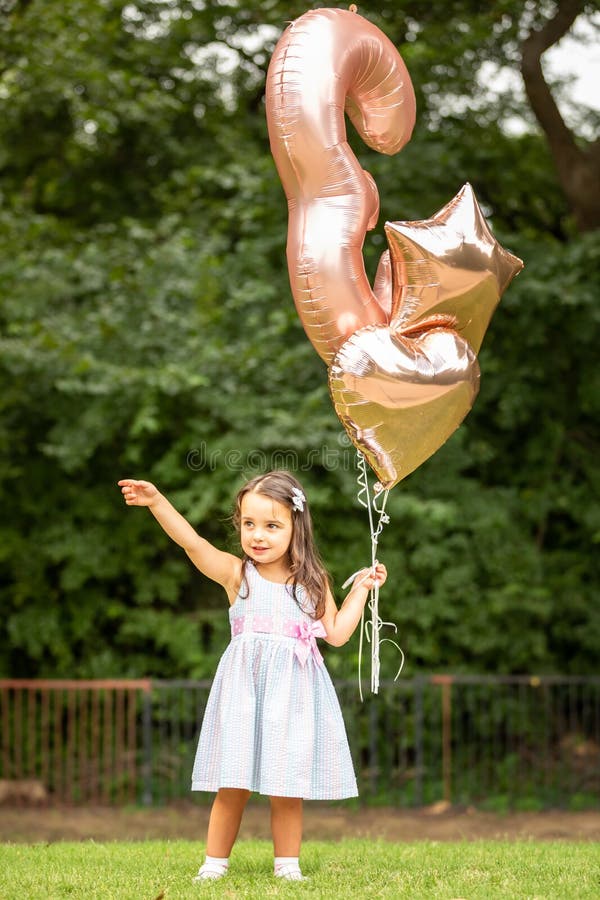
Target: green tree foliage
[(148, 330)]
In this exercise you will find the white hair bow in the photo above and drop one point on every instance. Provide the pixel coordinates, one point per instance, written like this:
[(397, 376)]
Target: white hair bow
[(298, 499)]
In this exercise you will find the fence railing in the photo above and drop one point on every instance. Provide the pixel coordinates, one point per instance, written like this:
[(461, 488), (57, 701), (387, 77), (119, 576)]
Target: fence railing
[(502, 742), (74, 741)]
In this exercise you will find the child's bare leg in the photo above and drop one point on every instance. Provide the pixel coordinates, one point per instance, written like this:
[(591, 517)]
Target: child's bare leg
[(224, 822), (286, 825)]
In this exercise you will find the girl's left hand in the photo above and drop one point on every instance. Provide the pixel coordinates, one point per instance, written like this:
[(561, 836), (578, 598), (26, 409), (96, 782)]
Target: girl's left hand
[(371, 577)]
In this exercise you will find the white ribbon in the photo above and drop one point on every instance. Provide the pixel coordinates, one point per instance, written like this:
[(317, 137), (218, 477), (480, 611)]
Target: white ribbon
[(371, 629)]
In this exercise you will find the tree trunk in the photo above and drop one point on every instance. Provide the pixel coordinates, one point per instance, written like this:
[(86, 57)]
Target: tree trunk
[(578, 167)]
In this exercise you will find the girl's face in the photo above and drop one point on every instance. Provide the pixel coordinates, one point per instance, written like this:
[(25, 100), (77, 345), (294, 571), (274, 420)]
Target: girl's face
[(265, 528)]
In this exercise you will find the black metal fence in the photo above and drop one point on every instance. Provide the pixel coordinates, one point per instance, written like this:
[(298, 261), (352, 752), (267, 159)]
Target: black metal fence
[(521, 742)]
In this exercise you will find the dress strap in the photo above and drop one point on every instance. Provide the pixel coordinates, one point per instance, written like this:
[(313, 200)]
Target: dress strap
[(251, 577)]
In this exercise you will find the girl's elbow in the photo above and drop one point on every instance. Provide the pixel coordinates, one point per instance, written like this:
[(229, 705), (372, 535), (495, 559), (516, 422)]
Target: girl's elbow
[(337, 640)]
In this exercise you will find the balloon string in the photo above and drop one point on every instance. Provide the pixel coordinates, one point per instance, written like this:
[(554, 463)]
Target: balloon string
[(370, 630), (360, 647)]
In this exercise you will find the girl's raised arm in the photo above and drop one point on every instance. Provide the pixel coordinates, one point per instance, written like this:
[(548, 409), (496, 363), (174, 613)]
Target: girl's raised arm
[(224, 568)]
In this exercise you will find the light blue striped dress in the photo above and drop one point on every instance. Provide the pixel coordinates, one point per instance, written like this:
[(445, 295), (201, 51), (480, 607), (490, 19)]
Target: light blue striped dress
[(273, 723)]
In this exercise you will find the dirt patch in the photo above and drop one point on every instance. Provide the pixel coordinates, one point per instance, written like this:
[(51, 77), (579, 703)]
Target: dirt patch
[(321, 822)]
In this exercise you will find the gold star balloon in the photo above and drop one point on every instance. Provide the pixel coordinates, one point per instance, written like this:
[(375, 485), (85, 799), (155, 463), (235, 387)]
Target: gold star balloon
[(400, 390), (451, 265)]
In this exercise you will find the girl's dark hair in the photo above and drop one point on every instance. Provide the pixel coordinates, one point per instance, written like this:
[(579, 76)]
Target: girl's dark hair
[(305, 563)]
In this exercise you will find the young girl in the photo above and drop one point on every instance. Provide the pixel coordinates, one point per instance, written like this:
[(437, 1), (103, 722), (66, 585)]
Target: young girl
[(273, 724)]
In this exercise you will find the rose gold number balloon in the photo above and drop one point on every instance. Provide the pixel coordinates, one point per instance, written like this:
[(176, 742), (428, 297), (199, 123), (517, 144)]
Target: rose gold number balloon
[(328, 61)]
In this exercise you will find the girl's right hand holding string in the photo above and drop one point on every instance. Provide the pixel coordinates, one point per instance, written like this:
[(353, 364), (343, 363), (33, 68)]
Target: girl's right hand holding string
[(375, 576), (138, 493), (368, 578)]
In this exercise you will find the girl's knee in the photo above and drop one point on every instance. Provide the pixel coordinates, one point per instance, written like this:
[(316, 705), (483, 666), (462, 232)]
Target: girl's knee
[(233, 795), (286, 801)]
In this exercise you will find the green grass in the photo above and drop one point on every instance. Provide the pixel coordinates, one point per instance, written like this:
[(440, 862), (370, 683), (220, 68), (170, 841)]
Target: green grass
[(147, 870)]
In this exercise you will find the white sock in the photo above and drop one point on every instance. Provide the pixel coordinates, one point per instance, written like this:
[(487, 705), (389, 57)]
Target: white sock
[(284, 861), (217, 860), (212, 868)]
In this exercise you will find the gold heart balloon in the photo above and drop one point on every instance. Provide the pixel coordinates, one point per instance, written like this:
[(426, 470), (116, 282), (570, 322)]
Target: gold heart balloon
[(400, 398), (402, 360)]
